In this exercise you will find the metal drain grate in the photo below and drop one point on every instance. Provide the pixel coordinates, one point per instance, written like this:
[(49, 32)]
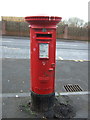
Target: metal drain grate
[(72, 88)]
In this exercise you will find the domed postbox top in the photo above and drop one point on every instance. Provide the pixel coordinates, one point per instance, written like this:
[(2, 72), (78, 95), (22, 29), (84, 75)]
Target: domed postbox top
[(43, 20)]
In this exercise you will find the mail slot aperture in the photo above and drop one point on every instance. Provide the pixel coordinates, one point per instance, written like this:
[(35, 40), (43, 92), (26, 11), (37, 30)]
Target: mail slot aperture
[(44, 35)]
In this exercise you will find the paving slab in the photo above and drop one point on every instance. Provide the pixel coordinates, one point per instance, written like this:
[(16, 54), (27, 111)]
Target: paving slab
[(11, 106)]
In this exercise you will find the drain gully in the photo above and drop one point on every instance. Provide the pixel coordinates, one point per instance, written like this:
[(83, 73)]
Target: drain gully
[(73, 88)]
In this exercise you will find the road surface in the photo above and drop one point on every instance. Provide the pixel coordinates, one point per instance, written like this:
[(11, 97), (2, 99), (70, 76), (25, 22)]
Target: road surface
[(16, 75), (66, 50)]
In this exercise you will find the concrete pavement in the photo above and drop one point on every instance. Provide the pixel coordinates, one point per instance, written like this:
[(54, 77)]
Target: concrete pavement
[(15, 81)]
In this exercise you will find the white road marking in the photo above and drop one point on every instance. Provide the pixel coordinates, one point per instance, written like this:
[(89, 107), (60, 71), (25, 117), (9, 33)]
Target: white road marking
[(60, 58), (81, 60), (8, 57), (17, 95), (74, 45), (56, 94), (11, 48), (66, 45), (7, 41), (75, 93), (76, 60)]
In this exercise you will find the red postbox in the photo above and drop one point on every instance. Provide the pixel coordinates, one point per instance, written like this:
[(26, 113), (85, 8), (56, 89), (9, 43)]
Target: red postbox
[(43, 48)]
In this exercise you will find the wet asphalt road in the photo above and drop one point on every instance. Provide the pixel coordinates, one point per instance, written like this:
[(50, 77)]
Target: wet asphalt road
[(68, 50)]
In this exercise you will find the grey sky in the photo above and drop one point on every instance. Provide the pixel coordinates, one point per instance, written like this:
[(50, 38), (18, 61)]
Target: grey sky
[(62, 8)]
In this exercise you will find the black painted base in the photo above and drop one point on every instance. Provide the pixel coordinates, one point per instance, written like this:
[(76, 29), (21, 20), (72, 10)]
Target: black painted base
[(42, 103)]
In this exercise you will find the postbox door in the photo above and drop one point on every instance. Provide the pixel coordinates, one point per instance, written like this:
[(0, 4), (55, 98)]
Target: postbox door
[(43, 62), (46, 63)]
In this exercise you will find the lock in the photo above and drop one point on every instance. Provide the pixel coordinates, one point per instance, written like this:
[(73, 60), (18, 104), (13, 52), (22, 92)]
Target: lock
[(53, 65)]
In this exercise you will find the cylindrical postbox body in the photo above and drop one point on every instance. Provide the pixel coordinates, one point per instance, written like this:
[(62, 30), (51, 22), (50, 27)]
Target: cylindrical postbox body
[(43, 49)]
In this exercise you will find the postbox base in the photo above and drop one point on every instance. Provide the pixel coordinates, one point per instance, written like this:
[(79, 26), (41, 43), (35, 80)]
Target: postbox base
[(42, 103)]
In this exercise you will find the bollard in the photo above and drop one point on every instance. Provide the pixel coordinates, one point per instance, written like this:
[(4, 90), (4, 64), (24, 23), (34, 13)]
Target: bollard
[(43, 49)]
